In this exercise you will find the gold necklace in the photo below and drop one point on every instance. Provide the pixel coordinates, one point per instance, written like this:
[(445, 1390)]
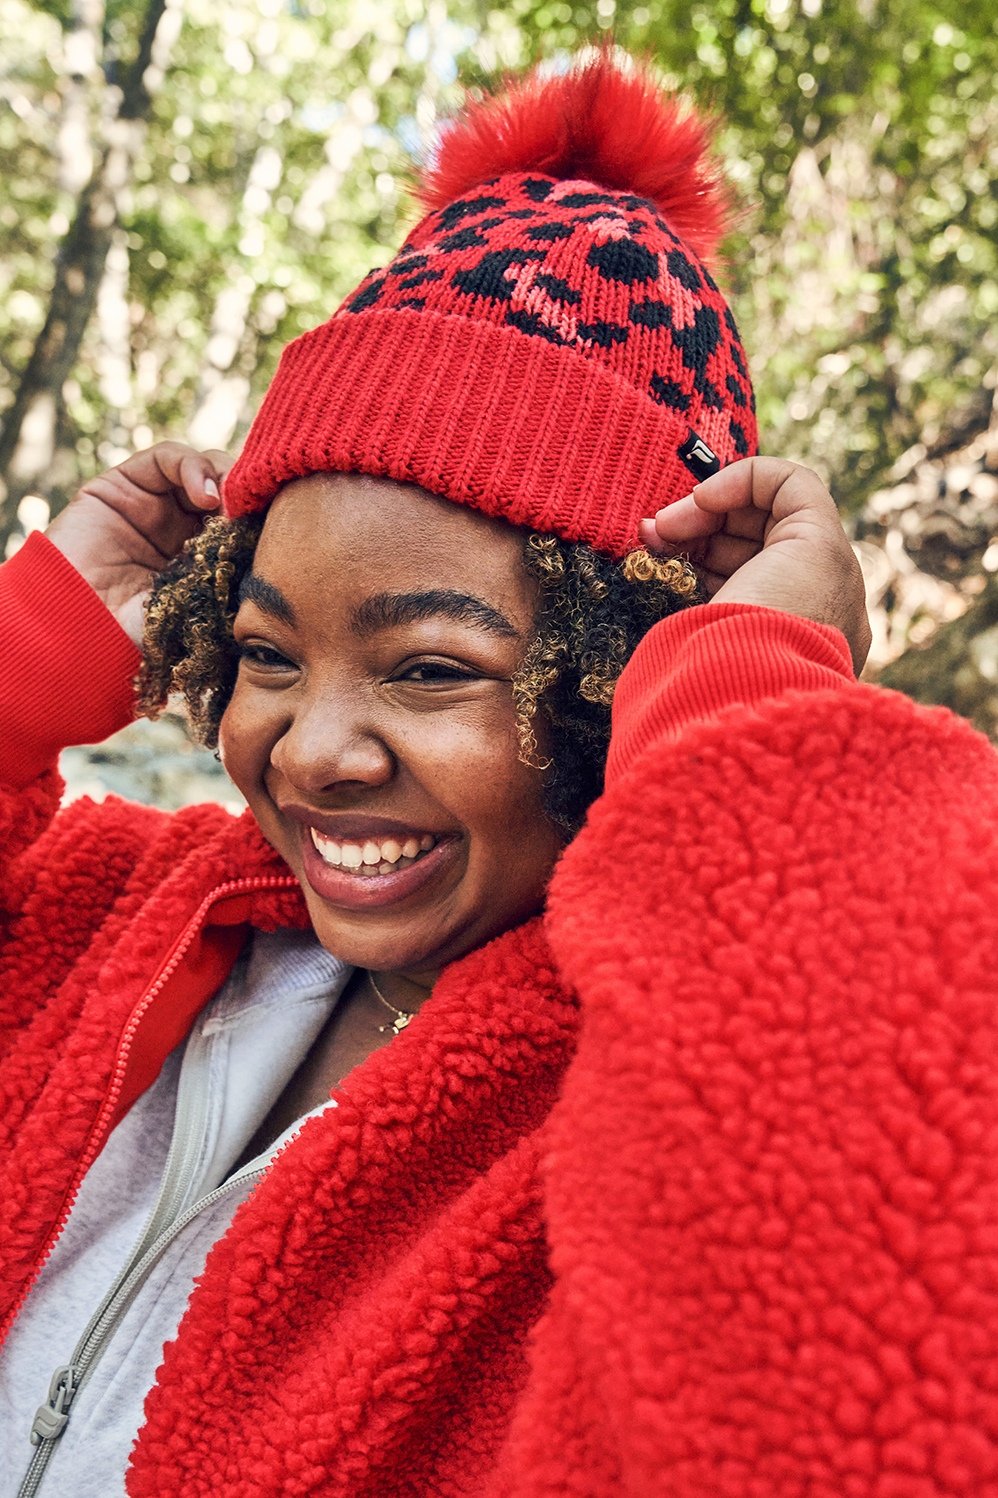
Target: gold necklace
[(402, 1016)]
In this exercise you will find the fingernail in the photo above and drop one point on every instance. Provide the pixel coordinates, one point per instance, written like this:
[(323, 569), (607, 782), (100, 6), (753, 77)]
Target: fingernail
[(211, 488)]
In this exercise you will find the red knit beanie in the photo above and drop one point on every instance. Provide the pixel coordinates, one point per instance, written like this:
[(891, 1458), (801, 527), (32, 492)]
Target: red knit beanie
[(548, 345)]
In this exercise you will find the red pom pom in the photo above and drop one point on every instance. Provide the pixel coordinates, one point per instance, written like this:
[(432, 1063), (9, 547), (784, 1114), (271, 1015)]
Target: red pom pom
[(595, 123)]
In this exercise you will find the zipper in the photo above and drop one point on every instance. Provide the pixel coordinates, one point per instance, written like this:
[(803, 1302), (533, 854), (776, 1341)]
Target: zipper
[(190, 1116), (52, 1417), (96, 1137)]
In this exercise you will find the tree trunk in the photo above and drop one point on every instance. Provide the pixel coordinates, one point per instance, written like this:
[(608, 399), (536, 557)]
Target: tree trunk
[(82, 86), (114, 345), (27, 439), (223, 388)]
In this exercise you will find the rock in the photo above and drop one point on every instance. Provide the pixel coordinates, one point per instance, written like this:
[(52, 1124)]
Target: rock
[(153, 762)]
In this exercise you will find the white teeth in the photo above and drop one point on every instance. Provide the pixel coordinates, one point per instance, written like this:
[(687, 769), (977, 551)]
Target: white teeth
[(371, 857)]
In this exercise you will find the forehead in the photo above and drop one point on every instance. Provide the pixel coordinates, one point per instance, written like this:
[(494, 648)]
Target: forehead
[(372, 534)]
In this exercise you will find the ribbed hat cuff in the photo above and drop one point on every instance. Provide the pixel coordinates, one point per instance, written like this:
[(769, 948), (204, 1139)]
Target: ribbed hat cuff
[(487, 416)]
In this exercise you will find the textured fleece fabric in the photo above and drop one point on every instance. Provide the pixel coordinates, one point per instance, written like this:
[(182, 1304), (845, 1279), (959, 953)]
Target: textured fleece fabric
[(213, 1092), (687, 1188)]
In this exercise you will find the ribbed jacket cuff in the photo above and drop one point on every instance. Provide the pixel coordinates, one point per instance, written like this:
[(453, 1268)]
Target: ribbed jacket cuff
[(695, 664), (68, 665)]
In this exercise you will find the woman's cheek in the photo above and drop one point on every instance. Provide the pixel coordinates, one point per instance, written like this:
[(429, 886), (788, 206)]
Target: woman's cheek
[(228, 725), (237, 741), (223, 743), (223, 736)]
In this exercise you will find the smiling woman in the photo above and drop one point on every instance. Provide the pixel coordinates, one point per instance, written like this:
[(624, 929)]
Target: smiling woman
[(387, 742), (574, 1072)]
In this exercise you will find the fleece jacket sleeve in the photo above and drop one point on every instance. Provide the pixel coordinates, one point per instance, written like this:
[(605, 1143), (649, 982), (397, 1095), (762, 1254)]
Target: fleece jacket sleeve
[(772, 1181), (66, 679), (68, 665)]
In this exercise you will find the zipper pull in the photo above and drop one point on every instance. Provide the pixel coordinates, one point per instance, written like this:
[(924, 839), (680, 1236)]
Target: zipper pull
[(51, 1417)]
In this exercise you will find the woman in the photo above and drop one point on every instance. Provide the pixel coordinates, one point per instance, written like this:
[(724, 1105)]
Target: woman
[(400, 1137)]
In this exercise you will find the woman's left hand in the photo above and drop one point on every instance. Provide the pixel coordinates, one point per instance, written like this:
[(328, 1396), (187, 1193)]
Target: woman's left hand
[(766, 531)]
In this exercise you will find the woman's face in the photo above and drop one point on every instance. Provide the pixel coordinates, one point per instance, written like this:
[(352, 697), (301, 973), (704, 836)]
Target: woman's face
[(372, 729)]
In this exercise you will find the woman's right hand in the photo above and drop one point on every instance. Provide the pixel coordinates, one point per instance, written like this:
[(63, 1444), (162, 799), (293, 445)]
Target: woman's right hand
[(766, 531), (126, 525)]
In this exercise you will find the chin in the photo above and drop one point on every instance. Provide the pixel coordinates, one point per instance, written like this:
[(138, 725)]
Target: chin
[(384, 945)]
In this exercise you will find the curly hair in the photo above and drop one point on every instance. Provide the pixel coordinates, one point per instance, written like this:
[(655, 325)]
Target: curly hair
[(592, 611)]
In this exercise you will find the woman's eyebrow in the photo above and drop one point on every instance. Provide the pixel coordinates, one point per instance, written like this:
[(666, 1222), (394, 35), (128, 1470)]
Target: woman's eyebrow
[(391, 610), (271, 600)]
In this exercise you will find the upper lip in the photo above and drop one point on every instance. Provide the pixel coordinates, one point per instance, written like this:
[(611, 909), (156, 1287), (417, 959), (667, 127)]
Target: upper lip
[(349, 827)]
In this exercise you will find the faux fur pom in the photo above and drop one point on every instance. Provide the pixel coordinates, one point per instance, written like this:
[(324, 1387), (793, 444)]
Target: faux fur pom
[(601, 121)]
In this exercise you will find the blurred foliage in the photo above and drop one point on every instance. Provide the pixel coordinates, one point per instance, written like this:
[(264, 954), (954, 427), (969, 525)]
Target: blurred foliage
[(860, 134)]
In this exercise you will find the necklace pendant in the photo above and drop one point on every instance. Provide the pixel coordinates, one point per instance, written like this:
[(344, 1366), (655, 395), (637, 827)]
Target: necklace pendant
[(402, 1016), (396, 1026)]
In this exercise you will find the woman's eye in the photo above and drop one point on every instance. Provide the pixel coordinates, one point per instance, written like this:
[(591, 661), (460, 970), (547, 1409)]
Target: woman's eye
[(434, 671), (261, 655)]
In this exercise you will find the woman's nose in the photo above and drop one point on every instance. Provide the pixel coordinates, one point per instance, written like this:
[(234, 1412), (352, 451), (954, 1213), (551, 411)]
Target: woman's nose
[(324, 746)]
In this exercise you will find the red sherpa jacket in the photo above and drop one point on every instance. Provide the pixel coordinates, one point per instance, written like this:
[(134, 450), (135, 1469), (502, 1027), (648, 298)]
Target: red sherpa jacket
[(686, 1189)]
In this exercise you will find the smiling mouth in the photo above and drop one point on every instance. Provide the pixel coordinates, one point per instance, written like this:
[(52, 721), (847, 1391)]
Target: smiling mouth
[(369, 859)]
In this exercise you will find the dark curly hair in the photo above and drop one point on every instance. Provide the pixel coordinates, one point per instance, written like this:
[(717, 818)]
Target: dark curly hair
[(591, 614)]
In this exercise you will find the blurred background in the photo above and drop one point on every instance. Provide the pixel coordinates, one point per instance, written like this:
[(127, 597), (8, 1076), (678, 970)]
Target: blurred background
[(186, 188)]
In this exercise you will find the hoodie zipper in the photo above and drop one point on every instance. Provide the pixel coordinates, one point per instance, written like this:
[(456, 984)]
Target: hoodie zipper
[(97, 1133), (52, 1417)]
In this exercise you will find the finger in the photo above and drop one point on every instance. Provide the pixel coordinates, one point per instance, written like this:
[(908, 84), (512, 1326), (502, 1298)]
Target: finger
[(738, 498), (749, 524), (684, 520), (219, 460), (751, 483), (725, 554), (156, 469), (772, 485), (198, 482), (172, 466), (712, 582), (649, 538)]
